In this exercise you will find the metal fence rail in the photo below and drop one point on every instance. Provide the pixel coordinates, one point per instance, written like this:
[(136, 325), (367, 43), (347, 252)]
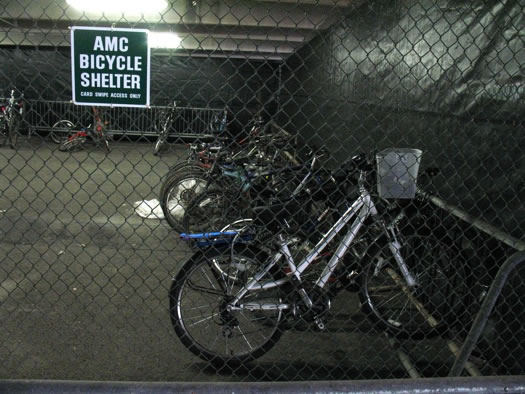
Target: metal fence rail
[(484, 313), (482, 385), (189, 121)]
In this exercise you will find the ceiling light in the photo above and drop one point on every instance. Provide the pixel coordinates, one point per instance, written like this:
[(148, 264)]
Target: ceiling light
[(163, 40), (119, 6)]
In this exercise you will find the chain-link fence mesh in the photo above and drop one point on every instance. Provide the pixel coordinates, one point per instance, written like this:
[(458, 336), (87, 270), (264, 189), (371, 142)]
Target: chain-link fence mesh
[(259, 221)]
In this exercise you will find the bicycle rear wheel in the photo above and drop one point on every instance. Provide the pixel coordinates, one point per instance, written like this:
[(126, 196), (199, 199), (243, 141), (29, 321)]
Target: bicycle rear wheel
[(177, 192), (180, 168), (13, 127), (214, 209), (414, 312), (199, 296), (61, 130)]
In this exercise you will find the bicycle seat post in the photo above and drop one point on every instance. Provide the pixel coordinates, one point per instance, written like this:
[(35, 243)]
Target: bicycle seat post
[(362, 181)]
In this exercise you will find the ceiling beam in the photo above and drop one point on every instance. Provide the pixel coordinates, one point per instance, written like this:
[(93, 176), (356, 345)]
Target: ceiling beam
[(295, 15), (257, 32)]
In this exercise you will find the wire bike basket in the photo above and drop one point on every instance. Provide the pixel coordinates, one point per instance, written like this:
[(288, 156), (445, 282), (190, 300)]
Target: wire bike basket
[(397, 170)]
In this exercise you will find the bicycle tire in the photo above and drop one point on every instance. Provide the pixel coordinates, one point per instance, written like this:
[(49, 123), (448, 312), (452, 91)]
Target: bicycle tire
[(101, 138), (71, 144), (4, 131), (214, 209), (61, 130), (106, 144), (182, 167), (440, 290), (163, 135), (157, 146), (177, 192), (198, 297), (13, 127)]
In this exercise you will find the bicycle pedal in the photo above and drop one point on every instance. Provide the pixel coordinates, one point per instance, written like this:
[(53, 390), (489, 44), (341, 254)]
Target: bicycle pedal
[(319, 324)]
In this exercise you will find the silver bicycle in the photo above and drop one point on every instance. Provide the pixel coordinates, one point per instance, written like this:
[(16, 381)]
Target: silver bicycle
[(231, 304), (11, 116)]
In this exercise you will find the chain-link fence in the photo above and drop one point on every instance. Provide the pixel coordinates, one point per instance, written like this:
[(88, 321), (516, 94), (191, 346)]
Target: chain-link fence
[(317, 190)]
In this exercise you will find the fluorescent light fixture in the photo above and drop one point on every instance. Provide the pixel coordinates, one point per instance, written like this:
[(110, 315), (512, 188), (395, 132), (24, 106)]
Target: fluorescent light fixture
[(163, 40), (119, 6)]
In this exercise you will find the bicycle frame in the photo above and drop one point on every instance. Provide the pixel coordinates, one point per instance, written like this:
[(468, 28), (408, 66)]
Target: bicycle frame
[(13, 107), (361, 209), (205, 155), (247, 177)]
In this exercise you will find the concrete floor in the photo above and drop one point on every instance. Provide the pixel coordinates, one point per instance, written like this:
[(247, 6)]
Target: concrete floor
[(84, 281)]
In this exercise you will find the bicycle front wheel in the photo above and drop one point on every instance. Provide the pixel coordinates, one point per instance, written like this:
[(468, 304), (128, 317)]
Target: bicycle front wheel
[(423, 310), (180, 168), (199, 297), (157, 146), (61, 130), (106, 144), (165, 124)]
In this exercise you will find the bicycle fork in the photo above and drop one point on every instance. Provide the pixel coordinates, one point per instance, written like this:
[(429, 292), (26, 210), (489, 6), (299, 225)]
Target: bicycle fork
[(363, 207)]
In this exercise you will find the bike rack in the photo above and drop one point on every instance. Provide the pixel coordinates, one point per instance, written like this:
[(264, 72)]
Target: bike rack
[(463, 354), (191, 121), (478, 223), (486, 308)]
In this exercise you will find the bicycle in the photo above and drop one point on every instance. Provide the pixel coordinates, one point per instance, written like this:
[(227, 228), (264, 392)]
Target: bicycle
[(71, 136), (202, 155), (191, 178), (232, 300), (164, 125), (216, 127), (11, 117), (226, 202)]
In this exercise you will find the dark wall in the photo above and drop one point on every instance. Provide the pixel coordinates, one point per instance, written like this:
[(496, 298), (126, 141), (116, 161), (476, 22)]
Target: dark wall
[(444, 76), (242, 85)]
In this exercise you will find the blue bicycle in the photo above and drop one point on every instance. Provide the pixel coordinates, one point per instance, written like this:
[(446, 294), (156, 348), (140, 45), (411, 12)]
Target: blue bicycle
[(249, 183), (227, 169)]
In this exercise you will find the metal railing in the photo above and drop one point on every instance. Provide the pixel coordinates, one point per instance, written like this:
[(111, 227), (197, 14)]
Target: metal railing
[(189, 121), (484, 384), (463, 353), (486, 308)]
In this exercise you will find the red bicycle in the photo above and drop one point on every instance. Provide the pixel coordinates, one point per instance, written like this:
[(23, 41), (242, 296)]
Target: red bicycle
[(71, 136)]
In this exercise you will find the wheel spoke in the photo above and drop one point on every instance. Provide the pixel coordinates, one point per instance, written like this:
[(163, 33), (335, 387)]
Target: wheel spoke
[(201, 317), (202, 320), (244, 337), (405, 310)]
